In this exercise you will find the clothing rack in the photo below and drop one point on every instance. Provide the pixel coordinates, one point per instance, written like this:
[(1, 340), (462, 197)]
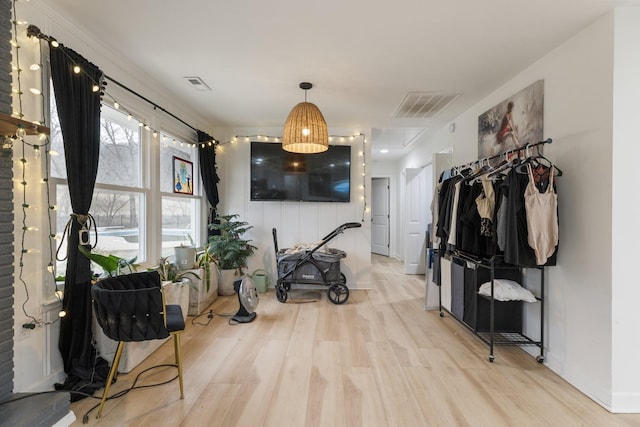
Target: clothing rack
[(494, 321), (504, 154)]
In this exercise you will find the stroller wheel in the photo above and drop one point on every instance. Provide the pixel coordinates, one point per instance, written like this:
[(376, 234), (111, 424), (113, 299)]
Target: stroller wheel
[(338, 293), (281, 293)]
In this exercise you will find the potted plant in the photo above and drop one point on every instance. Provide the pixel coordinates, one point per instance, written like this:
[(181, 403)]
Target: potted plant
[(111, 265), (204, 260), (229, 249), (174, 281), (169, 272), (207, 291)]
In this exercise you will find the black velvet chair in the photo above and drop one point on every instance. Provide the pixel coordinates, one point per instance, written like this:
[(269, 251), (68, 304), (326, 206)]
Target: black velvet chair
[(131, 308)]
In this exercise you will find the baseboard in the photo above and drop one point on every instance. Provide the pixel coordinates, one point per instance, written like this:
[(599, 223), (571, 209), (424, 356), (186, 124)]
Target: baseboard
[(66, 421), (583, 384), (626, 403)]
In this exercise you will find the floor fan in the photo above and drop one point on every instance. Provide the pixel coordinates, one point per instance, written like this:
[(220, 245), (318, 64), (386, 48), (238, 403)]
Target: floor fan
[(247, 298)]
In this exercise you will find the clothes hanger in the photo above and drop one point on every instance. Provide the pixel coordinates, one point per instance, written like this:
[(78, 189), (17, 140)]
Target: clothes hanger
[(549, 164), (528, 160), (537, 161), (479, 171), (505, 164)]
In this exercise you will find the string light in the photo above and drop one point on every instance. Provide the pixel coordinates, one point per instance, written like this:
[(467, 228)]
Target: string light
[(21, 132), (342, 138), (36, 34), (21, 136)]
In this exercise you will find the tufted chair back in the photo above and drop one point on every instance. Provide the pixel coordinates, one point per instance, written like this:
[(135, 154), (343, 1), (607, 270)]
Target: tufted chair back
[(130, 307)]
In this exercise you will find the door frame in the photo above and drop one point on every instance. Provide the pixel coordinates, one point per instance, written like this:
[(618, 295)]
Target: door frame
[(388, 228)]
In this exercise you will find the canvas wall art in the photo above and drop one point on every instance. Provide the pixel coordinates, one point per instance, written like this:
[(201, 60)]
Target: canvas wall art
[(182, 176), (513, 123)]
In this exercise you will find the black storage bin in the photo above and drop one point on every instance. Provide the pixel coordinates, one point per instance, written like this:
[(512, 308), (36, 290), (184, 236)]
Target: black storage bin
[(507, 314), (457, 288), (437, 278)]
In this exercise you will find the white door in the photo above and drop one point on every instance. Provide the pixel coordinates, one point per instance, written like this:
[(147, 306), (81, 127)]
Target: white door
[(380, 216), (417, 215)]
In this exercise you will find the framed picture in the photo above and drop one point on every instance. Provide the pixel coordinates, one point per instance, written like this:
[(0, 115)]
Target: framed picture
[(182, 176), (514, 123)]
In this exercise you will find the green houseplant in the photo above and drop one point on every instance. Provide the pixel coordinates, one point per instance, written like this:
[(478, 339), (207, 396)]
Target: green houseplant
[(204, 260), (112, 265), (229, 249), (169, 272)]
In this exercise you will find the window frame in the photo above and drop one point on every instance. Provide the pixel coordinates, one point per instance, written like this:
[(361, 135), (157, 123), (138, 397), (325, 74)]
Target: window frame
[(151, 198)]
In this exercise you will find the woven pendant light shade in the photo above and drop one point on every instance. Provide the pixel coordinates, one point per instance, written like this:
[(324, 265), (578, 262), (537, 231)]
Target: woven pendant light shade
[(305, 130)]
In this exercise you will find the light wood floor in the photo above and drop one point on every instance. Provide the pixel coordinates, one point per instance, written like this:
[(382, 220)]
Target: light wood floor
[(379, 360)]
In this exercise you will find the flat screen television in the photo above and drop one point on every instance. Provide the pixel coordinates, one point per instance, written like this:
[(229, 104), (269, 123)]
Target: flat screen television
[(277, 174)]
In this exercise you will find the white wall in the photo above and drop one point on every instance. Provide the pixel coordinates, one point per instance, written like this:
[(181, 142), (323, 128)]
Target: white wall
[(625, 212), (37, 361), (298, 222), (578, 100), (578, 78)]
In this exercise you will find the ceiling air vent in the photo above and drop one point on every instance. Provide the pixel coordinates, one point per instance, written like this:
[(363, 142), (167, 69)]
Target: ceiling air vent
[(197, 83), (423, 105)]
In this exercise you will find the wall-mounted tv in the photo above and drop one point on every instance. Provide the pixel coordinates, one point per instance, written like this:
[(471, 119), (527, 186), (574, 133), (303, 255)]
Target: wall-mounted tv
[(277, 174)]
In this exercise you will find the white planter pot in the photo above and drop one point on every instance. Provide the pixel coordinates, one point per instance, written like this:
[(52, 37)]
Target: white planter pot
[(185, 257), (177, 293), (227, 277), (199, 297)]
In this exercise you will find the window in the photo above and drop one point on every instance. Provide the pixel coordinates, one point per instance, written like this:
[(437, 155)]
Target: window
[(118, 199), (136, 212), (180, 225), (119, 162), (117, 216)]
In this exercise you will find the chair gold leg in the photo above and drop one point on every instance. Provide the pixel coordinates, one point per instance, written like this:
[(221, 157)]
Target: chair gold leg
[(178, 357), (112, 372)]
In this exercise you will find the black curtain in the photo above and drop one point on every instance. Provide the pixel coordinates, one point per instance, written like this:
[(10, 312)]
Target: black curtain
[(210, 179), (79, 113)]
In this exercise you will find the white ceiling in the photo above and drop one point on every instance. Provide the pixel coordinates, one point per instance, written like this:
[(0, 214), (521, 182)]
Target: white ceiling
[(362, 57)]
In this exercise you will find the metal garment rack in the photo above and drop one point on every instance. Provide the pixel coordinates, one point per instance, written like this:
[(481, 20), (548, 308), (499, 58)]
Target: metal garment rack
[(493, 338), (523, 150)]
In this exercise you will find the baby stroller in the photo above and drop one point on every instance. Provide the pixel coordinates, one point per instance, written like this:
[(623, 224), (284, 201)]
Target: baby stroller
[(313, 268)]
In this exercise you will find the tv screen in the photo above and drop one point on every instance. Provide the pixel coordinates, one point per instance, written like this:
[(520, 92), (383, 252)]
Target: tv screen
[(277, 174)]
